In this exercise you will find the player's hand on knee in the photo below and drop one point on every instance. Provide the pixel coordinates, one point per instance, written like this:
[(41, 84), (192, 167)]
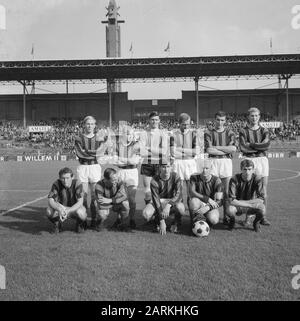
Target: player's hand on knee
[(213, 203), (166, 211)]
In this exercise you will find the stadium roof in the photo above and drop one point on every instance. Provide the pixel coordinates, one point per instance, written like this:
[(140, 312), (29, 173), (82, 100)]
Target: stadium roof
[(146, 68)]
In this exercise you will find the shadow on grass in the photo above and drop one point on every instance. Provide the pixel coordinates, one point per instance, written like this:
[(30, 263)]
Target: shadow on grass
[(32, 220), (150, 227)]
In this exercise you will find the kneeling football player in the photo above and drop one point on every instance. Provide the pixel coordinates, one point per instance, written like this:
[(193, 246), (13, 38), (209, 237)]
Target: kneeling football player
[(246, 195), (111, 195), (166, 193), (65, 200), (206, 192)]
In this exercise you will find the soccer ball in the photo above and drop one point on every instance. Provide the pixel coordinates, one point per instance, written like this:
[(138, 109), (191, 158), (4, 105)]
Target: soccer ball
[(201, 228)]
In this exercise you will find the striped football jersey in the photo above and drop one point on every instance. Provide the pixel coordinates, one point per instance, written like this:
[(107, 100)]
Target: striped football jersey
[(258, 140)]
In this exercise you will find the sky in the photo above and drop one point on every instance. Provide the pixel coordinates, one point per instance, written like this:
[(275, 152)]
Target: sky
[(72, 29)]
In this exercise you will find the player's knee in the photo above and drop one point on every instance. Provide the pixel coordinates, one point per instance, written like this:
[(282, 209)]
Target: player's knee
[(261, 209), (102, 214), (147, 213), (49, 212), (125, 205), (231, 210), (194, 203), (124, 209), (180, 208), (213, 217), (81, 213)]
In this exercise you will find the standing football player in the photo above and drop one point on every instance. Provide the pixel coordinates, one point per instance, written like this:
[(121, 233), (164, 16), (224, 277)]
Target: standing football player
[(246, 195), (166, 192), (254, 143), (153, 143), (206, 195), (126, 152), (184, 148), (65, 200), (220, 144), (89, 171)]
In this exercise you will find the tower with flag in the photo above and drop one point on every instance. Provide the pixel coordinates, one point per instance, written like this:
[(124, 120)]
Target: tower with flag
[(113, 37)]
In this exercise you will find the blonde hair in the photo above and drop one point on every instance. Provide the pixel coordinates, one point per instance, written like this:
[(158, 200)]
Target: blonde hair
[(89, 118), (253, 110)]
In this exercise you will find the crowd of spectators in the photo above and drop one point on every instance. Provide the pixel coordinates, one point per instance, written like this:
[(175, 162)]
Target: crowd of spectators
[(63, 133)]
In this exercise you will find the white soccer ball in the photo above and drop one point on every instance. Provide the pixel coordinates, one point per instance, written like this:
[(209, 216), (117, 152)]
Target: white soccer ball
[(201, 228)]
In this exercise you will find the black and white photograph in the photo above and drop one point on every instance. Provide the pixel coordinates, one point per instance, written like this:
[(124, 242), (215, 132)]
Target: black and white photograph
[(149, 152)]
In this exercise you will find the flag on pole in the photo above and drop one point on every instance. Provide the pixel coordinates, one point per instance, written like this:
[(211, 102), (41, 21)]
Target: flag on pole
[(131, 50), (168, 47), (271, 45)]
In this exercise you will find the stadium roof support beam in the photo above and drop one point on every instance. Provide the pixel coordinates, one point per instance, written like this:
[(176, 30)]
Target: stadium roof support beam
[(146, 68), (197, 99), (24, 85), (286, 78), (110, 91)]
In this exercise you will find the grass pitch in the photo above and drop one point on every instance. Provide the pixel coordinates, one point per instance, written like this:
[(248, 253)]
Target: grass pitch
[(237, 265)]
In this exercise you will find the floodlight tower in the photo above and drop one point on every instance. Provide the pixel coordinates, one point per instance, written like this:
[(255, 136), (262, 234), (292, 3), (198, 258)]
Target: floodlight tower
[(113, 39)]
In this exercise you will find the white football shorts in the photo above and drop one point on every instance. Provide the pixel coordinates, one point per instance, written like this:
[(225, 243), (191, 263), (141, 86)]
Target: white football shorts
[(130, 177), (261, 165), (185, 168), (221, 167), (89, 173)]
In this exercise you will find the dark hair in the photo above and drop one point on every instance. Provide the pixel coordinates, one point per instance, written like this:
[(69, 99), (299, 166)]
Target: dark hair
[(153, 114), (220, 113), (108, 172), (184, 117), (247, 163), (65, 170)]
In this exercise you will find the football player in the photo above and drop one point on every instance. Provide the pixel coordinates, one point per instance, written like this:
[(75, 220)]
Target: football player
[(220, 144), (254, 143), (111, 195), (89, 171), (166, 192), (206, 195), (153, 143), (184, 148), (127, 158), (246, 195), (65, 200)]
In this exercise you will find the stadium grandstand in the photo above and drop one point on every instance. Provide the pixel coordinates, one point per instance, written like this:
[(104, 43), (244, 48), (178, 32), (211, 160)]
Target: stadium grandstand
[(62, 112)]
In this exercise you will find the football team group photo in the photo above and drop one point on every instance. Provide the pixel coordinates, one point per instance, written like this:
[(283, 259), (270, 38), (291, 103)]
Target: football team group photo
[(149, 151)]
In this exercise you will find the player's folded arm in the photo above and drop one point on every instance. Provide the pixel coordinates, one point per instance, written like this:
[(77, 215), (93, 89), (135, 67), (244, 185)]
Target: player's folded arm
[(215, 151), (120, 196), (243, 145), (263, 146)]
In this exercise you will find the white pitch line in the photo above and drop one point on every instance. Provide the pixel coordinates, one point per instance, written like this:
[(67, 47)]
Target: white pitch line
[(285, 178), (23, 205)]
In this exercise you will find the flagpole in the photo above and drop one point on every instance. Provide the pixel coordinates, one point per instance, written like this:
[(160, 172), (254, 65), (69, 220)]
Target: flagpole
[(271, 46), (33, 83)]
